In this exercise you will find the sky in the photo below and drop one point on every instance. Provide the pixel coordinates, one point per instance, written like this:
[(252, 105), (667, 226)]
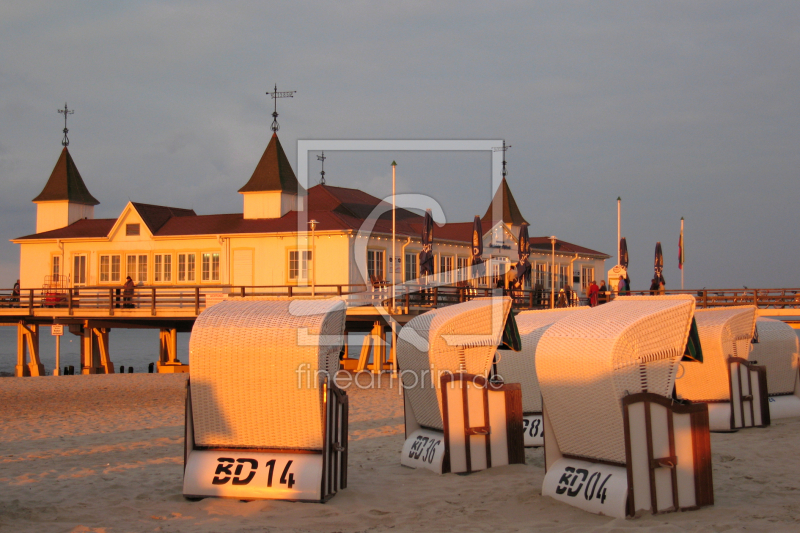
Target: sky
[(682, 109)]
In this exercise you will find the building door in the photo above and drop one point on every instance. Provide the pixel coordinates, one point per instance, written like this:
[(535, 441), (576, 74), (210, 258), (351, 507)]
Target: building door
[(243, 268), (79, 270)]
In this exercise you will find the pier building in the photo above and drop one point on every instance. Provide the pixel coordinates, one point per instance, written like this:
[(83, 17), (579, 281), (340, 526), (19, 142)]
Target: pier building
[(73, 268)]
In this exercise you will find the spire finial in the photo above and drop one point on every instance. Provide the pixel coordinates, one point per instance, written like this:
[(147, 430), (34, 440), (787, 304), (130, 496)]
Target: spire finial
[(503, 149), (65, 112), (275, 95), (322, 172)]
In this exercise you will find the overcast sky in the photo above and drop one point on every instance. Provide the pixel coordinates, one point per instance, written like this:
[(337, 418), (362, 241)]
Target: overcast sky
[(681, 108)]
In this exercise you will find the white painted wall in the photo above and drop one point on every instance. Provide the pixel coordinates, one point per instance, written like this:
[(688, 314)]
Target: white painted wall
[(55, 215)]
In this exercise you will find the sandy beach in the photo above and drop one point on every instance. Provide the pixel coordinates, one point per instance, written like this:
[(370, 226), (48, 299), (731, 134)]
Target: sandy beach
[(104, 454)]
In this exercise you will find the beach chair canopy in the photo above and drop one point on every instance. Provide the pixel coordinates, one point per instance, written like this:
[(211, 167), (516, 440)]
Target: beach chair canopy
[(460, 337), (519, 367), (589, 360), (724, 332), (778, 350), (257, 370)]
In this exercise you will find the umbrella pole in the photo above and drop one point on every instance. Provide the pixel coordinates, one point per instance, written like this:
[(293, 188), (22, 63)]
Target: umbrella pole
[(682, 254)]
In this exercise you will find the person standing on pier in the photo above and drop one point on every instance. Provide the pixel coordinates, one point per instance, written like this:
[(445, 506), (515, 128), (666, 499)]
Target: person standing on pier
[(602, 292), (127, 293), (15, 295)]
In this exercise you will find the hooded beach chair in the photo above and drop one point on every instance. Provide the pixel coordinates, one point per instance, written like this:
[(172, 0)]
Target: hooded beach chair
[(264, 419), (734, 388), (777, 349), (456, 419), (519, 367), (616, 443)]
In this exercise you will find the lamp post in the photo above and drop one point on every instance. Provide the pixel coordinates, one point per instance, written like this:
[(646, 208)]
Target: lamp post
[(394, 258), (553, 274), (313, 224)]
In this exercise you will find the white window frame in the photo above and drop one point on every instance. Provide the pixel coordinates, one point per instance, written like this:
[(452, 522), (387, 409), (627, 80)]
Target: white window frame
[(109, 276), (162, 268), (299, 265), (411, 269), (373, 261), (445, 269), (209, 267), (186, 274)]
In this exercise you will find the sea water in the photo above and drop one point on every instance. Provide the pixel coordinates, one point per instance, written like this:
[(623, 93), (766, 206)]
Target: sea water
[(128, 347)]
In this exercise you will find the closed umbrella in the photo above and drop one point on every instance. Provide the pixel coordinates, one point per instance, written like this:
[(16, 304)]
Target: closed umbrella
[(659, 263), (524, 251), (426, 255), (477, 248), (623, 252)]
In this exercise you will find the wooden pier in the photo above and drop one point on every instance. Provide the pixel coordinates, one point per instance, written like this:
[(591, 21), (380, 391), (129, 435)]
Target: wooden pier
[(92, 312)]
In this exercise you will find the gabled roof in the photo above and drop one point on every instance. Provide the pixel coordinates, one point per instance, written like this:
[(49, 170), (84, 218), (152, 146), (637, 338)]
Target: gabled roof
[(352, 202), (85, 228), (65, 183), (506, 207), (155, 216), (273, 172), (543, 243)]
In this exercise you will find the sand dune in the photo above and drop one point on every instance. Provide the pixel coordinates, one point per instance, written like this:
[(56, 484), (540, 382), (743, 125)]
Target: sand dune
[(105, 454)]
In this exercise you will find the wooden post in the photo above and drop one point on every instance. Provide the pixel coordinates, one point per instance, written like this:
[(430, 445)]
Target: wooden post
[(338, 290), (69, 300), (363, 358), (111, 302), (242, 291), (100, 341), (379, 353), (755, 297), (705, 299), (197, 300), (153, 301), (30, 302), (28, 344)]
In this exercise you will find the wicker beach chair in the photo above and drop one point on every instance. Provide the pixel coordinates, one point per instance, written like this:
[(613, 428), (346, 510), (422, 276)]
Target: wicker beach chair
[(778, 350), (734, 388), (615, 441), (264, 419), (456, 419), (519, 367)]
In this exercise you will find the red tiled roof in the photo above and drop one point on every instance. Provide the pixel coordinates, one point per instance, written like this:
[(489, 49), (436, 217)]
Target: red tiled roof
[(81, 229), (65, 183), (543, 243), (155, 216), (352, 202)]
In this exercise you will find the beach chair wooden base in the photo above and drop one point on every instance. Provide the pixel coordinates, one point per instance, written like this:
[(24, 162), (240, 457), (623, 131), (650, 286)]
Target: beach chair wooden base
[(533, 430), (749, 396), (482, 428), (270, 474), (668, 463)]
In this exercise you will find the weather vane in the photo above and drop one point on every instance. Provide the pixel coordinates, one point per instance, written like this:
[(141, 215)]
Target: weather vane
[(503, 149), (322, 172), (65, 112), (275, 95)]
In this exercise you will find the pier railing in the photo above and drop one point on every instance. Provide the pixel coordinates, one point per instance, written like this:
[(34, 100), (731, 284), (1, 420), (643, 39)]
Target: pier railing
[(190, 300)]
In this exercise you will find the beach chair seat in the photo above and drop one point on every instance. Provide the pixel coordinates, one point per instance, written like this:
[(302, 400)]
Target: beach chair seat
[(519, 367), (264, 418), (615, 441), (778, 351), (734, 388), (457, 420)]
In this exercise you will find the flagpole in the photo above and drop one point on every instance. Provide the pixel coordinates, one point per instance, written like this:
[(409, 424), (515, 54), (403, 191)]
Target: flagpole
[(619, 232), (683, 245)]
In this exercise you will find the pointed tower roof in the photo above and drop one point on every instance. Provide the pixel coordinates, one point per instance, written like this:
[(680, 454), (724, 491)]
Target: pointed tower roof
[(273, 172), (507, 208), (65, 183)]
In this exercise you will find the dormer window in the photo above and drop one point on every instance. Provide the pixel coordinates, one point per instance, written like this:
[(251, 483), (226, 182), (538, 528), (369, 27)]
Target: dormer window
[(131, 229)]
